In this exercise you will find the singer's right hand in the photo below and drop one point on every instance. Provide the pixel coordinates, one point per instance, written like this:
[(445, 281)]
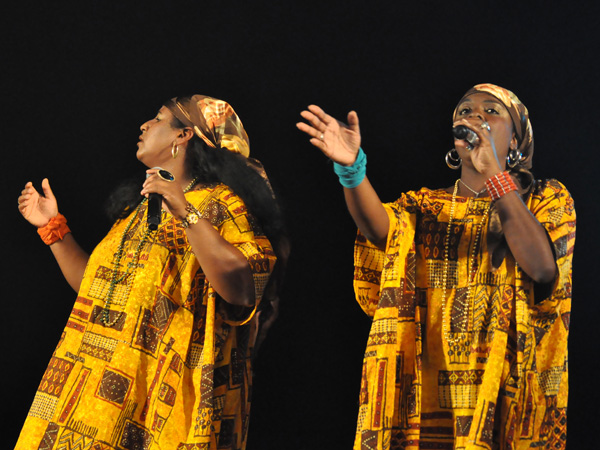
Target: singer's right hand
[(38, 209), (338, 141)]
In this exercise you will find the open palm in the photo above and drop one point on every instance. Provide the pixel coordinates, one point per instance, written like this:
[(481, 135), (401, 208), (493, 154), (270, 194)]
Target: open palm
[(338, 141), (35, 208)]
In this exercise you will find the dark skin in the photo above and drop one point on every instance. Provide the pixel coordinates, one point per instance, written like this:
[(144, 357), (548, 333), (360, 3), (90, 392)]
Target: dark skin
[(225, 266), (525, 236)]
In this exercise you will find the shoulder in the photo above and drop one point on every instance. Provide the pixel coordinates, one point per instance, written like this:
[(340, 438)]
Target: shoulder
[(211, 193), (422, 199), (551, 190), (217, 202), (550, 196)]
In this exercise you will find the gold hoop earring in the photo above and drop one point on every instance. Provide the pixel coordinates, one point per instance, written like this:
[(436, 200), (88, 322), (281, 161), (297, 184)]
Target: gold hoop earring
[(453, 159), (174, 150), (513, 158)]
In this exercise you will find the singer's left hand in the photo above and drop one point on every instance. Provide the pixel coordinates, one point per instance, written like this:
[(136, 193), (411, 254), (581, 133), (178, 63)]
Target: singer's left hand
[(174, 201), (484, 156)]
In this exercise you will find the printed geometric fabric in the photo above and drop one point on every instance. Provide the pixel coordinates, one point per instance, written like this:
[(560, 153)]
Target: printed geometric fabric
[(489, 371), (173, 370)]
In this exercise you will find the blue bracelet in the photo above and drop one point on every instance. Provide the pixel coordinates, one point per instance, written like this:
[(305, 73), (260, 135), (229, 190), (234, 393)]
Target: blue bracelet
[(352, 176)]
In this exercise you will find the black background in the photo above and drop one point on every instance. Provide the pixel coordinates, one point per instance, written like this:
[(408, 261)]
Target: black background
[(81, 77)]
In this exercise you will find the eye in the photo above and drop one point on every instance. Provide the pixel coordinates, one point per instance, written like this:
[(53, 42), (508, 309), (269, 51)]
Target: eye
[(464, 110), (492, 111)]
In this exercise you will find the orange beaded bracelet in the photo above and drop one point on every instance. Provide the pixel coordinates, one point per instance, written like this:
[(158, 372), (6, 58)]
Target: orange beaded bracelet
[(55, 230), (499, 185)]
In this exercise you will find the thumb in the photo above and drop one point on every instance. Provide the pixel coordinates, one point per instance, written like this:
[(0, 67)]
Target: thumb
[(47, 190), (353, 121)]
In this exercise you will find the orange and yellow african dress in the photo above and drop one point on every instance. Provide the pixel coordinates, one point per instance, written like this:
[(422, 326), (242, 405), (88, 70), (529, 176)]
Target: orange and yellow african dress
[(167, 366), (463, 354)]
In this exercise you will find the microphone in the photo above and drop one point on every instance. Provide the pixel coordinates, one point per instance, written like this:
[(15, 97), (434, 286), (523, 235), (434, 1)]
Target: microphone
[(466, 134), (154, 208)]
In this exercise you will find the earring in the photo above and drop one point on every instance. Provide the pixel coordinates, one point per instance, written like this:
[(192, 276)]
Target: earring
[(453, 159), (513, 158), (174, 150)]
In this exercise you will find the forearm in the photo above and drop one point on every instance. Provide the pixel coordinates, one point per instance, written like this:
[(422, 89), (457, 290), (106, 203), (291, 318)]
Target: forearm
[(224, 266), (526, 238), (71, 258), (368, 212)]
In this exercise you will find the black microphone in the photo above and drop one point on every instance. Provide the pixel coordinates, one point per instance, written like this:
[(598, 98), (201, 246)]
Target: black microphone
[(466, 134), (154, 210)]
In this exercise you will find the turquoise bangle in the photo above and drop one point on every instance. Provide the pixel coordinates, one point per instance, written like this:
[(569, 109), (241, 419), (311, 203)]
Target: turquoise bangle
[(352, 176)]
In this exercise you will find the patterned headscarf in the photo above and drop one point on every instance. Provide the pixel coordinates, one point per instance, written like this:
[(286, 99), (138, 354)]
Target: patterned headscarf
[(214, 121), (518, 113)]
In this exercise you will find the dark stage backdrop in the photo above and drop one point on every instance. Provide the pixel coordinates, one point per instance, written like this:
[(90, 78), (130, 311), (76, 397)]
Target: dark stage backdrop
[(80, 78)]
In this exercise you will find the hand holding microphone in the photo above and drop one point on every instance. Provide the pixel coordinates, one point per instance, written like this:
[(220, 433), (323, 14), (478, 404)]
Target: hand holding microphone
[(155, 200), (469, 136)]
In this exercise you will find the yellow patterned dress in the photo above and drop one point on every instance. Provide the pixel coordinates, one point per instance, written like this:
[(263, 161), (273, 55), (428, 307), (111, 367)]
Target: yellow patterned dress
[(490, 370), (173, 370)]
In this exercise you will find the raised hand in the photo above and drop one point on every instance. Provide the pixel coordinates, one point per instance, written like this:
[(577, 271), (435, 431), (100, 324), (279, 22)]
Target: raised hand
[(338, 141), (35, 208)]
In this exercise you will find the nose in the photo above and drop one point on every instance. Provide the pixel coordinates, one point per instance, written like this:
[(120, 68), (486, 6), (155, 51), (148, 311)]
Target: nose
[(476, 115), (145, 126)]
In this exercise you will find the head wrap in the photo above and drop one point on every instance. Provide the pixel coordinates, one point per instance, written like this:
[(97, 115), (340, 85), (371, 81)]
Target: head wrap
[(213, 120), (518, 113)]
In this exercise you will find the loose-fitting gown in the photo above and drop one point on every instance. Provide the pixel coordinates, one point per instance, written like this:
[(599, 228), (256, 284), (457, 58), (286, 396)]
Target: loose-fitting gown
[(494, 376), (173, 372)]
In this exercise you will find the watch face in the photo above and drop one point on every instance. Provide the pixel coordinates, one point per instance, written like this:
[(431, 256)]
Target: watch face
[(192, 218)]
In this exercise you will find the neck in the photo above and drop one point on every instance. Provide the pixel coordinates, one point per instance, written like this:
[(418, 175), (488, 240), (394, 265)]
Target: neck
[(472, 184)]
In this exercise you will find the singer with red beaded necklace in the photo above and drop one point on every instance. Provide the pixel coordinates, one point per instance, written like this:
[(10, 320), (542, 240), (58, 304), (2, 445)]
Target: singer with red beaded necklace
[(456, 280)]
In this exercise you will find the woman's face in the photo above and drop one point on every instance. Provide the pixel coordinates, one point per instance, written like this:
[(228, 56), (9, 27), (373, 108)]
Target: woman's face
[(483, 107), (156, 140)]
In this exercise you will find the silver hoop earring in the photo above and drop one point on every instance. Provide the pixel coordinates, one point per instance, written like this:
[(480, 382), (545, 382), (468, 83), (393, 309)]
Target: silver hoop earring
[(453, 159), (513, 158)]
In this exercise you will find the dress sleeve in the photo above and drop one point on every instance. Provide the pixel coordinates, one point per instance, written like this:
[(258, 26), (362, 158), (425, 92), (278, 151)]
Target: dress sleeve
[(370, 262), (553, 207), (228, 214)]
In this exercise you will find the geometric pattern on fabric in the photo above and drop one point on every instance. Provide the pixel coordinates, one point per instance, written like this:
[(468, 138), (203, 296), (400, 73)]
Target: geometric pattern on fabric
[(154, 322), (56, 376), (483, 355), (173, 236), (74, 395), (101, 283), (117, 318), (127, 386), (70, 440), (114, 387), (98, 346), (459, 389), (47, 442), (135, 437), (205, 446), (43, 406)]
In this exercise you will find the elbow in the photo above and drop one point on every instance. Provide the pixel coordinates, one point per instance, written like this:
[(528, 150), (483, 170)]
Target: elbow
[(378, 241), (545, 275), (242, 281)]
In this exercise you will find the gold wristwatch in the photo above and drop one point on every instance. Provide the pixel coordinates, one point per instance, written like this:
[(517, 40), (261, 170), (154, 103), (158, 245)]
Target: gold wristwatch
[(192, 216)]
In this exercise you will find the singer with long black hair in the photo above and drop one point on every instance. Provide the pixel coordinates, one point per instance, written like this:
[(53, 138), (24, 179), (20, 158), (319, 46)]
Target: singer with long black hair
[(158, 348), (468, 288)]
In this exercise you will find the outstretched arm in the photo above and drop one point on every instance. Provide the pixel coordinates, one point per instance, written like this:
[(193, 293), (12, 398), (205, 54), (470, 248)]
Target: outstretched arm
[(38, 210), (341, 142)]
